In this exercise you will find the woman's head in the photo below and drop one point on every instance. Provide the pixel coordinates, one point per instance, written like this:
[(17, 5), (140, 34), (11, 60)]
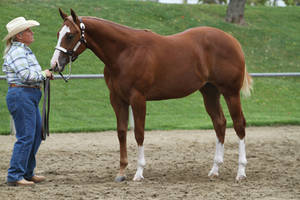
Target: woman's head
[(19, 25), (19, 30), (25, 37)]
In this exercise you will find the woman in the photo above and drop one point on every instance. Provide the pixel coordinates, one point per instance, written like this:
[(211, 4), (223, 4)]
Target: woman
[(24, 76)]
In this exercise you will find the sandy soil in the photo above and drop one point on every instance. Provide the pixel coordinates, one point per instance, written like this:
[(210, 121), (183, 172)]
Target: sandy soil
[(83, 166)]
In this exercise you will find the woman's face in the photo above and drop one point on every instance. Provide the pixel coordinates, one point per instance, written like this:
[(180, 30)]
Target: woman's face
[(26, 37)]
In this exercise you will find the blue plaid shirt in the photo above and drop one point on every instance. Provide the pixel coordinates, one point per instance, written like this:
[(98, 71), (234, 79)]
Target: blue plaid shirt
[(21, 66)]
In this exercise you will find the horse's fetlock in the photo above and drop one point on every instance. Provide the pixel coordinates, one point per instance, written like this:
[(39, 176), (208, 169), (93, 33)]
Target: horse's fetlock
[(142, 163), (218, 160), (243, 162), (123, 164)]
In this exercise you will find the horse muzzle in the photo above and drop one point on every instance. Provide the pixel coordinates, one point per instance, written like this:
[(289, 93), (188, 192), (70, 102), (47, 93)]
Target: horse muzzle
[(57, 68)]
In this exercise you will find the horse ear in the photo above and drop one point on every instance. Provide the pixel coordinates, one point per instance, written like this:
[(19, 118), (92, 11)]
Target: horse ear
[(62, 14), (74, 16)]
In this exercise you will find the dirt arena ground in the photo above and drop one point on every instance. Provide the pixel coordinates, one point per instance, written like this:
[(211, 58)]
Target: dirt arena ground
[(83, 166)]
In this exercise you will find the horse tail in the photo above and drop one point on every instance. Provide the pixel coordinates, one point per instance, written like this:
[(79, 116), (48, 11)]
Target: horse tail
[(247, 84)]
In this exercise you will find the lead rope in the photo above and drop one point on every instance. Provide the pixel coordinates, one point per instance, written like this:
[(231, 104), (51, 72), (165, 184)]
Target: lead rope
[(70, 71), (46, 104), (46, 109)]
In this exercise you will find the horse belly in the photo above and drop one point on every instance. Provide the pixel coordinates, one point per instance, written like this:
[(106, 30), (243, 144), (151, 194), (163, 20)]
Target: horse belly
[(176, 75), (171, 89)]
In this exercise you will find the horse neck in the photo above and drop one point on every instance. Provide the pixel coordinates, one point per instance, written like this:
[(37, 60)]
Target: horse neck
[(106, 39)]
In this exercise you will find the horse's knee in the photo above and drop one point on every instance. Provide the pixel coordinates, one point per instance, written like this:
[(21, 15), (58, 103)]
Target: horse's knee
[(239, 127), (139, 138), (221, 122), (220, 126), (122, 134), (139, 135)]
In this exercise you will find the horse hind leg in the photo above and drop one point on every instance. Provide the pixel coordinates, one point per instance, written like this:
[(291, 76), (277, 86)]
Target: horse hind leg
[(239, 124), (211, 97), (138, 104)]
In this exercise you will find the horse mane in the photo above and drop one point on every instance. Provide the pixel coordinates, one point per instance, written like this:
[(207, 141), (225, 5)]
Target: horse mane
[(120, 26)]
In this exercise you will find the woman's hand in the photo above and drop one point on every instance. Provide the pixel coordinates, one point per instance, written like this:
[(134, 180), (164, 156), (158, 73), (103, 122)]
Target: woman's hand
[(49, 74)]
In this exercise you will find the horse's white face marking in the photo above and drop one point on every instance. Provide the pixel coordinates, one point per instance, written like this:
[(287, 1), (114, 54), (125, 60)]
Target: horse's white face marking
[(65, 29), (218, 160)]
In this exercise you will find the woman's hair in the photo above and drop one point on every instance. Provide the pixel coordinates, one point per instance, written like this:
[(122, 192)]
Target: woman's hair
[(8, 45)]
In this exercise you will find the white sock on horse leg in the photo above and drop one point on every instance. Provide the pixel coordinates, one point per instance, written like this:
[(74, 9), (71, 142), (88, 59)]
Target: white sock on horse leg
[(218, 160), (241, 174), (140, 164)]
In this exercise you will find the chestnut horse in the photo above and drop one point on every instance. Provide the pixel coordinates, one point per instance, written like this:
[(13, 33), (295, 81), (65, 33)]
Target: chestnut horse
[(141, 65)]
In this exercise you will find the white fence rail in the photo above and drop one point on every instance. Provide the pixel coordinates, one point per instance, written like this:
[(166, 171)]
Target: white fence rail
[(284, 74), (95, 76), (131, 121)]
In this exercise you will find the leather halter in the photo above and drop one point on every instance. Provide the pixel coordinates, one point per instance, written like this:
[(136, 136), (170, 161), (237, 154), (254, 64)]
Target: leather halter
[(72, 53)]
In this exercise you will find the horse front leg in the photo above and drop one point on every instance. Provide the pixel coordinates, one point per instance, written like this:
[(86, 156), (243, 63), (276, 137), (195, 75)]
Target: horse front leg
[(138, 104), (121, 110)]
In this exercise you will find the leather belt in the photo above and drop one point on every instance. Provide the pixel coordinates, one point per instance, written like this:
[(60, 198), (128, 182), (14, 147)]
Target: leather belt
[(25, 86)]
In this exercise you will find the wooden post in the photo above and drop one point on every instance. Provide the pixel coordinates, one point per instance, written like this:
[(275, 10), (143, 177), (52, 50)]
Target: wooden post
[(131, 119)]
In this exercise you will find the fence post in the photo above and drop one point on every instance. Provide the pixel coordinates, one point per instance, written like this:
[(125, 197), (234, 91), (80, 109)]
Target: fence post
[(131, 120), (12, 126)]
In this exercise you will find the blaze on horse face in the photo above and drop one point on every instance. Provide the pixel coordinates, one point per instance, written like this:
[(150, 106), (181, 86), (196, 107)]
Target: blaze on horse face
[(67, 38)]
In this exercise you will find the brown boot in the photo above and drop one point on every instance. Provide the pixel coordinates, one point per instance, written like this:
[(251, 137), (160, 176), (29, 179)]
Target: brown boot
[(22, 182), (37, 179)]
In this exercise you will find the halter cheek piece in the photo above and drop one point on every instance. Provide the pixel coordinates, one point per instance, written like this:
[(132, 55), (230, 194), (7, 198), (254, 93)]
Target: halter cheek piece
[(72, 53)]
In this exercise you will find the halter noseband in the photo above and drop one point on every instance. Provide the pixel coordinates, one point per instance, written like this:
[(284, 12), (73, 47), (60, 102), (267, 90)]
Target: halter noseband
[(71, 53)]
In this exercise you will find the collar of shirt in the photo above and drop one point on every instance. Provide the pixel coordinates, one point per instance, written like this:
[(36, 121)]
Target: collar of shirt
[(20, 44)]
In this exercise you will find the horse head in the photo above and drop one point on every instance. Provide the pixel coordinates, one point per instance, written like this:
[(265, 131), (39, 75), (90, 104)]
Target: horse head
[(70, 41)]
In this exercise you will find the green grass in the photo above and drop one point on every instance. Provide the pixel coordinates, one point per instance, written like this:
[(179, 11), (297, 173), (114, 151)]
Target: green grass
[(271, 43)]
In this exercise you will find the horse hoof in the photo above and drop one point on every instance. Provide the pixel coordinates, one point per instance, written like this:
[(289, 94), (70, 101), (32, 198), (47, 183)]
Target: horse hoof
[(240, 178), (120, 179), (138, 178), (213, 175)]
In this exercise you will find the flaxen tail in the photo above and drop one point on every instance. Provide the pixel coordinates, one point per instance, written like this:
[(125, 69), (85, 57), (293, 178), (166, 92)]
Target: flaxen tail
[(247, 84)]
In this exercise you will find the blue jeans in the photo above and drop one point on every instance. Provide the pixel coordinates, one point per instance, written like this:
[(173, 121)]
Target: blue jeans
[(23, 105)]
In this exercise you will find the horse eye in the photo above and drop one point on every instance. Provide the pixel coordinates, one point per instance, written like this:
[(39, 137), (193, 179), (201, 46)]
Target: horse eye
[(70, 36)]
